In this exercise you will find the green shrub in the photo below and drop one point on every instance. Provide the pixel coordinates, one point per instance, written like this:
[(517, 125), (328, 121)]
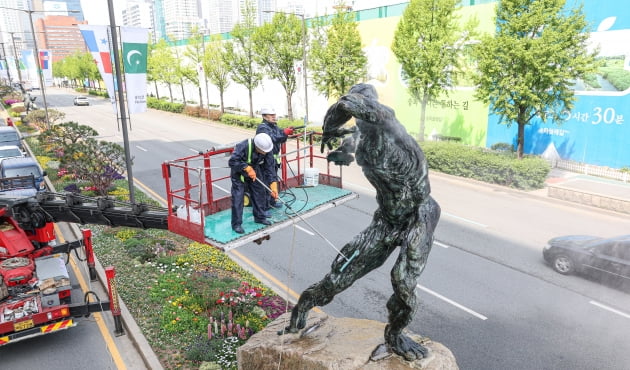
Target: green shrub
[(239, 120), (164, 105), (480, 164), (505, 147)]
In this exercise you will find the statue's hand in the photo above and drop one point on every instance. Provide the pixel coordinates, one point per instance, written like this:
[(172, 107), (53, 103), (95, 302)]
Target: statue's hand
[(329, 137), (335, 117), (340, 158)]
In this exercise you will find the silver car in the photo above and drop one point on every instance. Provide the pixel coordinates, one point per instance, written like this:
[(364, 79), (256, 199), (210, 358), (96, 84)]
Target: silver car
[(81, 100)]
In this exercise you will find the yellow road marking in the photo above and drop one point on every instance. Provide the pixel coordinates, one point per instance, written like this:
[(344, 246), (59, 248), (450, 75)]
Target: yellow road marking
[(98, 317)]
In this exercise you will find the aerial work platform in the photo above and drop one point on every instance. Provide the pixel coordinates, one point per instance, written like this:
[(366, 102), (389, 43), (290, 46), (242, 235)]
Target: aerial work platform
[(199, 199)]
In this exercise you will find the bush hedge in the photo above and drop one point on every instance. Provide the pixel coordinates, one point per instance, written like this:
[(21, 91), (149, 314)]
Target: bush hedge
[(164, 105), (502, 168), (252, 123)]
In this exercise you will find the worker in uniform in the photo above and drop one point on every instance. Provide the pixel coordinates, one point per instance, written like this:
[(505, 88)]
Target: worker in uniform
[(251, 160), (279, 136)]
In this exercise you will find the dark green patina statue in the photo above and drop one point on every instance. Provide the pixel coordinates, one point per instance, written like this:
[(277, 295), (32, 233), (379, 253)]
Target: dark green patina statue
[(406, 216)]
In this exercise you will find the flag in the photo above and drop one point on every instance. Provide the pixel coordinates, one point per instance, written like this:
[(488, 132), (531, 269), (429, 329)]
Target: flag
[(134, 55), (45, 64), (28, 65), (3, 70), (97, 41)]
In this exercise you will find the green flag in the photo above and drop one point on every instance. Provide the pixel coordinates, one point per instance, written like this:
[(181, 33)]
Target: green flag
[(135, 57)]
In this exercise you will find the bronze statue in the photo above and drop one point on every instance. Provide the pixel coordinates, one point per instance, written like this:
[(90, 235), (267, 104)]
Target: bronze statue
[(406, 216)]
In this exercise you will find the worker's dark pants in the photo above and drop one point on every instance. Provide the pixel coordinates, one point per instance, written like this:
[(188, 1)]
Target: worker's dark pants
[(257, 196)]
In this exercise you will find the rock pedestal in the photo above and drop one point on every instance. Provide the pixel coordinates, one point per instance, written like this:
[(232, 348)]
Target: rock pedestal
[(332, 343)]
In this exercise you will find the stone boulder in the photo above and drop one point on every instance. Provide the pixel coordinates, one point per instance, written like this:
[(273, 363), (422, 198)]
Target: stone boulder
[(332, 343)]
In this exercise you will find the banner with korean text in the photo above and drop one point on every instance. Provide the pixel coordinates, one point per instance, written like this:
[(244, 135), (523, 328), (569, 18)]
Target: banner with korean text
[(134, 56), (97, 40), (45, 64)]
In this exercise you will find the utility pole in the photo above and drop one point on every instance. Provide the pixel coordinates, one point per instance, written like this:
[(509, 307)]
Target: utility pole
[(4, 55), (17, 61), (121, 100)]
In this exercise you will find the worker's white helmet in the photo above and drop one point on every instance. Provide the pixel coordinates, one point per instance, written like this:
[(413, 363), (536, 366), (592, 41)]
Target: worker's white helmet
[(267, 110), (263, 142)]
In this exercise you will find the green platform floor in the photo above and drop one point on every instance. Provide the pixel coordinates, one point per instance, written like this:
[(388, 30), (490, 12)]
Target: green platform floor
[(218, 226)]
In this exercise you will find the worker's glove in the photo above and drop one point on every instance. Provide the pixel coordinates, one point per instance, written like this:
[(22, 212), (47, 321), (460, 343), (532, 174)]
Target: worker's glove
[(274, 189), (250, 172), (288, 131)]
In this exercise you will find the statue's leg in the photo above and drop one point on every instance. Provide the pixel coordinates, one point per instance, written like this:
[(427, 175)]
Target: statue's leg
[(363, 254), (415, 248)]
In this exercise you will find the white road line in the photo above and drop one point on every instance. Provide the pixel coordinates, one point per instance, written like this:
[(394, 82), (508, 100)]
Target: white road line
[(464, 219), (620, 313), (463, 308), (303, 229), (196, 151), (440, 244), (141, 148)]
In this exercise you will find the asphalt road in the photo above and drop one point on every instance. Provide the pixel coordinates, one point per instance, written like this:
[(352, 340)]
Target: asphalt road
[(486, 292)]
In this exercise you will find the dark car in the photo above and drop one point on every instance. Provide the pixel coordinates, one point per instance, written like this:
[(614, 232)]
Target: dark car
[(608, 258)]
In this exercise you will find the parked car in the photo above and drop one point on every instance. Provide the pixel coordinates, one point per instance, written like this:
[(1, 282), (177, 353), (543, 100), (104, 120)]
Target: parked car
[(10, 151), (81, 100), (608, 258), (9, 135), (20, 167)]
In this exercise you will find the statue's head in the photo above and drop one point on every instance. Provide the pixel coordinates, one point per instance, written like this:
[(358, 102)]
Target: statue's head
[(366, 90)]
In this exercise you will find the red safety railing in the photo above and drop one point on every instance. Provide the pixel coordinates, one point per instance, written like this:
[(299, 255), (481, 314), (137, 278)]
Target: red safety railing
[(191, 181)]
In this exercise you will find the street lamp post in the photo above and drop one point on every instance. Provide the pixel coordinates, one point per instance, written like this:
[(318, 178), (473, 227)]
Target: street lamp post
[(17, 61), (37, 61), (4, 54), (39, 67), (121, 101)]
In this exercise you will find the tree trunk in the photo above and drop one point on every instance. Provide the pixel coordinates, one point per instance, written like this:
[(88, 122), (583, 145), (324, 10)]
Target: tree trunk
[(157, 92), (170, 91), (181, 83), (520, 140), (423, 116), (290, 106), (200, 98), (251, 104), (221, 97)]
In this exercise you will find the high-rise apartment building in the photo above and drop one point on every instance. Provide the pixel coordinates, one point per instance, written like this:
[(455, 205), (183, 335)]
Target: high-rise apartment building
[(139, 14), (180, 16)]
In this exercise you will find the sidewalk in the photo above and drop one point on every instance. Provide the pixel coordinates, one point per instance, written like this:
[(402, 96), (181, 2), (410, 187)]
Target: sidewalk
[(588, 190)]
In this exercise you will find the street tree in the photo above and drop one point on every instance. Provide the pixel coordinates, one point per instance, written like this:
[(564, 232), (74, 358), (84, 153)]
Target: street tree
[(184, 72), (38, 117), (152, 75), (336, 59), (99, 162), (195, 53), (428, 43), (278, 45), (163, 65), (528, 68), (59, 136), (216, 67), (240, 52)]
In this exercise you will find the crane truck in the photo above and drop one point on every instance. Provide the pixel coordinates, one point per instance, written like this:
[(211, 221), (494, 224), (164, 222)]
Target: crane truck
[(36, 294)]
